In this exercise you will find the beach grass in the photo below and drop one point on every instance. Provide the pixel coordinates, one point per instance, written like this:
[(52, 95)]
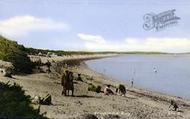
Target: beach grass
[(15, 104)]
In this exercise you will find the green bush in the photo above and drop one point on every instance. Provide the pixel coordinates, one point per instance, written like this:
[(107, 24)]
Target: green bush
[(15, 104), (98, 89), (20, 61), (122, 89), (12, 52), (92, 87)]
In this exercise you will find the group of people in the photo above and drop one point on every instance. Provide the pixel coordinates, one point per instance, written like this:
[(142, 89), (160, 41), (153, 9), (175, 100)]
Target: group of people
[(120, 90), (67, 83)]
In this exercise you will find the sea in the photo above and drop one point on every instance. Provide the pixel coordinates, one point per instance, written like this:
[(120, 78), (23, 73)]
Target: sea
[(164, 73)]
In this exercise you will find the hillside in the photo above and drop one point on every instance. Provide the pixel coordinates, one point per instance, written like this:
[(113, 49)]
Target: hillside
[(12, 52)]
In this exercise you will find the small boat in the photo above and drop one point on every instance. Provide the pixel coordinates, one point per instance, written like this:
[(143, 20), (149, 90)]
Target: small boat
[(155, 70)]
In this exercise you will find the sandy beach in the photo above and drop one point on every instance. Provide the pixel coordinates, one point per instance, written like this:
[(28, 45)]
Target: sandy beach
[(136, 104)]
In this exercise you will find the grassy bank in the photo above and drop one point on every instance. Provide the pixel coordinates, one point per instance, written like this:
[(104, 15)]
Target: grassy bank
[(12, 52), (15, 104)]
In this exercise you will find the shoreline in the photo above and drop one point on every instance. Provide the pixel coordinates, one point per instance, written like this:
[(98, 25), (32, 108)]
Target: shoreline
[(76, 58), (138, 87), (138, 103), (146, 92), (142, 92)]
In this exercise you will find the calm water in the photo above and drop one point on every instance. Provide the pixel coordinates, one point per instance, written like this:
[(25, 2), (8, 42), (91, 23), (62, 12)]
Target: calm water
[(163, 73)]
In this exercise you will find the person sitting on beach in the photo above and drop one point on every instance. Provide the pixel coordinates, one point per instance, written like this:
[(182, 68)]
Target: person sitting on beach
[(47, 100), (116, 90), (122, 89), (48, 66), (107, 90), (174, 104), (79, 78)]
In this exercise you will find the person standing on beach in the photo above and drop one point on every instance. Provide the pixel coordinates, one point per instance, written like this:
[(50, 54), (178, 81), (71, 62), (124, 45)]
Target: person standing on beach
[(48, 66), (79, 78), (71, 84), (132, 82), (64, 82), (174, 104)]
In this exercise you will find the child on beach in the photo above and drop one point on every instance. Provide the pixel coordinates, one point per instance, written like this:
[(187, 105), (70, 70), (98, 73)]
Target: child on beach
[(107, 90), (174, 104)]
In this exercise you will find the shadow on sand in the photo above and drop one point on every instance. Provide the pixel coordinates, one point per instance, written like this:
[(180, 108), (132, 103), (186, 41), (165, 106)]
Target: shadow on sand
[(86, 96)]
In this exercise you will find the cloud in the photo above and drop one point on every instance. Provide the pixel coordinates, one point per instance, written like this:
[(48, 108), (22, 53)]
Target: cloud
[(22, 25), (136, 44), (91, 38), (159, 44)]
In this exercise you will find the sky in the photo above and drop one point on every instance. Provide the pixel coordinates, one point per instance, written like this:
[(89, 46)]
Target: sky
[(94, 25)]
